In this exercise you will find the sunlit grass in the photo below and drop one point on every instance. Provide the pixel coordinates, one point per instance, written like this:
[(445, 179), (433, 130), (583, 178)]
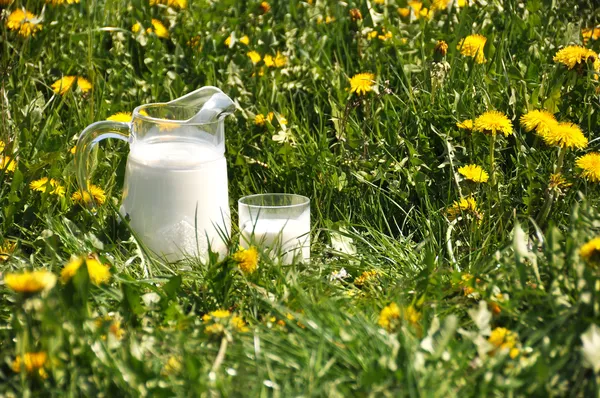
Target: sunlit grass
[(381, 167)]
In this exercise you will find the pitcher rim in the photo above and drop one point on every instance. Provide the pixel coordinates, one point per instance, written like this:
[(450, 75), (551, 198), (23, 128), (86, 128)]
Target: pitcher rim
[(137, 115)]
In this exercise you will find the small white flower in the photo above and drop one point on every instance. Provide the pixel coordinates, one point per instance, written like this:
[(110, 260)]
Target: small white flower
[(481, 317), (283, 136), (591, 347), (339, 276)]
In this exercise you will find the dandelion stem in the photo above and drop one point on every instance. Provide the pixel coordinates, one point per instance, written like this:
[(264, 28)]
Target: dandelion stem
[(550, 194), (220, 356), (492, 161)]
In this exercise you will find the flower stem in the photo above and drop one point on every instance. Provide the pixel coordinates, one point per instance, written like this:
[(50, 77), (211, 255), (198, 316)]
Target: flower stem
[(550, 196), (492, 166)]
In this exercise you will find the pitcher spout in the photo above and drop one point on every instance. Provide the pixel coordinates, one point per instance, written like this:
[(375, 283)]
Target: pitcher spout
[(213, 103)]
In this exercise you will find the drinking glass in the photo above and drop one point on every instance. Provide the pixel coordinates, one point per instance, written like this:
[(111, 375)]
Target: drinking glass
[(279, 222)]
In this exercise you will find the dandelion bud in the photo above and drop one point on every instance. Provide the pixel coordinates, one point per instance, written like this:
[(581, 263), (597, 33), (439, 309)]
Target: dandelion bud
[(355, 14), (441, 48), (265, 7)]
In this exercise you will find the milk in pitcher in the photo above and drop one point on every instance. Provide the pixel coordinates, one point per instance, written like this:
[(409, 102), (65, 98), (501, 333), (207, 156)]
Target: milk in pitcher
[(175, 194)]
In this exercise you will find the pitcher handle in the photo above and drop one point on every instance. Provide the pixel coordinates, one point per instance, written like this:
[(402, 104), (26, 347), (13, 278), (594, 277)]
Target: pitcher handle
[(88, 138)]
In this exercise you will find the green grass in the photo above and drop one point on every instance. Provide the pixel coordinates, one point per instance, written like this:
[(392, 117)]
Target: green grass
[(380, 169)]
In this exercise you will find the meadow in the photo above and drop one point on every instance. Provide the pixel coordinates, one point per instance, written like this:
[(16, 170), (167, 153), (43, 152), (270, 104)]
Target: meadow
[(450, 152)]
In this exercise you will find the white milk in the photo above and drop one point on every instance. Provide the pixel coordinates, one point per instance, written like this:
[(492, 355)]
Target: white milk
[(292, 237), (170, 188)]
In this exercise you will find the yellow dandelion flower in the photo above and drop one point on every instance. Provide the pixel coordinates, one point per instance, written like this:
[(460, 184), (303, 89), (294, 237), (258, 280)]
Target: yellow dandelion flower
[(39, 185), (464, 206), (566, 135), (48, 185), (116, 330), (215, 329), (2, 146), (388, 315), (84, 84), (280, 60), (492, 122), (270, 116), (540, 121), (172, 366), (472, 46), (167, 126), (136, 27), (171, 3), (23, 22), (254, 57), (260, 119), (572, 56), (591, 251), (245, 40), (58, 190), (465, 125), (194, 42), (379, 1), (441, 48), (590, 166), (411, 315), (425, 13), (503, 339), (59, 2), (63, 85), (404, 11), (179, 3), (366, 277), (265, 7), (114, 326), (30, 281), (159, 29), (386, 36), (416, 6), (468, 290), (247, 259), (6, 250), (7, 163), (589, 33), (31, 362), (228, 41), (239, 324), (558, 182), (99, 273), (221, 314), (372, 35), (95, 191), (440, 5), (120, 117), (362, 83), (269, 62), (474, 173)]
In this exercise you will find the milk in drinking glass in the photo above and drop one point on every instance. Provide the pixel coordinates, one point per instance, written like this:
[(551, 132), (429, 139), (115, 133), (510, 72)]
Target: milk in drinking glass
[(279, 223)]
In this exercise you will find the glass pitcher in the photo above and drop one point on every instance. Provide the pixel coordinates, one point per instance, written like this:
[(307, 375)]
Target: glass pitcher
[(175, 191)]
